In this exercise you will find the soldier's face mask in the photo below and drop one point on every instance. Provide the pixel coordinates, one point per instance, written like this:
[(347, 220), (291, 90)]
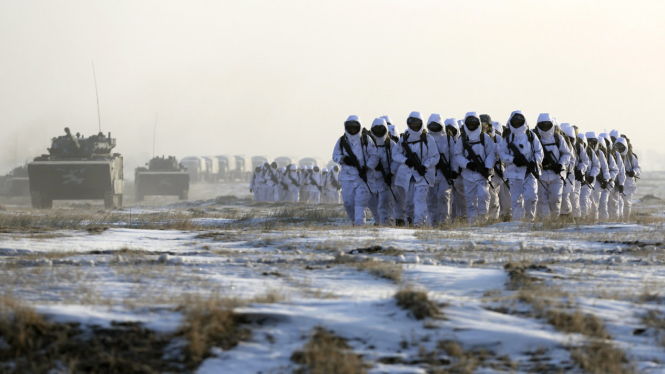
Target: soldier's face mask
[(336, 168), (620, 147), (415, 124), (352, 127), (379, 131), (316, 169), (517, 121), (484, 118), (545, 125), (614, 138), (472, 123), (274, 165), (434, 127), (451, 130), (593, 142), (257, 169)]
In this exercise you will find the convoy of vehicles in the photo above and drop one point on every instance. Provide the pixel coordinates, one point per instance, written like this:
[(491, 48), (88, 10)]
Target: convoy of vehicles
[(85, 168)]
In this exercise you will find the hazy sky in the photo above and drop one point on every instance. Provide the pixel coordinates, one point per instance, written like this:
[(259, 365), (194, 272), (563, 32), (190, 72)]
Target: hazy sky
[(280, 77)]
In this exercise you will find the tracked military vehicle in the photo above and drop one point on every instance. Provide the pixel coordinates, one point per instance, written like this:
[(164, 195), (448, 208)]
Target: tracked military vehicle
[(77, 168), (164, 176), (15, 183)]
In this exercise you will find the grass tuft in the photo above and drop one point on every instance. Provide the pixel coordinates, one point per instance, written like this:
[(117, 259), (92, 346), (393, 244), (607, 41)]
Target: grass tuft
[(386, 270), (418, 303), (326, 353), (211, 323), (601, 357)]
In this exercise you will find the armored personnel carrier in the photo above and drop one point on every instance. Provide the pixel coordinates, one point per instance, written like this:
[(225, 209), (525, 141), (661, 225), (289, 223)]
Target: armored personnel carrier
[(77, 168), (164, 176), (15, 183)]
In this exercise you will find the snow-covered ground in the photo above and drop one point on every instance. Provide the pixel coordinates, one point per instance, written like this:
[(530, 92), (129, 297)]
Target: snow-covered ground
[(614, 271)]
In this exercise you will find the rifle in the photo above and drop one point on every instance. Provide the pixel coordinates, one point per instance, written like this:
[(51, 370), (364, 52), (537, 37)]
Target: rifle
[(446, 170), (380, 168), (529, 169), (499, 173), (295, 182), (314, 183), (480, 164), (412, 156), (550, 161), (582, 179), (272, 176), (354, 160)]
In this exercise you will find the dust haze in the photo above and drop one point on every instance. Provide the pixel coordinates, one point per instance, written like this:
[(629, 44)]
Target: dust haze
[(279, 78)]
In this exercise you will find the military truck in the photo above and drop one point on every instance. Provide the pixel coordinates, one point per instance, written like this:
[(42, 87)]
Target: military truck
[(164, 176), (240, 173), (310, 161), (15, 183), (226, 167), (196, 167), (284, 161), (77, 168)]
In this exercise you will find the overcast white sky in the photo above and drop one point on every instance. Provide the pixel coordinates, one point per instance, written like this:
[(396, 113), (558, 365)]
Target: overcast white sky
[(280, 77)]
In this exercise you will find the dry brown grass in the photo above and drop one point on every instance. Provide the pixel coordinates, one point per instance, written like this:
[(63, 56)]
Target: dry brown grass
[(601, 357), (578, 322), (598, 354), (326, 353), (418, 303), (211, 323), (654, 319), (36, 345), (380, 269)]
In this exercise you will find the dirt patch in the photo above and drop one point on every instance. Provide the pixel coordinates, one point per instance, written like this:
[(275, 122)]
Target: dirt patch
[(518, 277)]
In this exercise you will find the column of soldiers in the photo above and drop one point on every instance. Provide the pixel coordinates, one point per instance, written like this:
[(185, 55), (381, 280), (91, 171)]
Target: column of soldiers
[(307, 185), (477, 170)]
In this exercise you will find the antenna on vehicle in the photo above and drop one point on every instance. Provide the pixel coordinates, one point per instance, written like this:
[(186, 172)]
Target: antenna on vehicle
[(15, 150), (154, 136), (99, 117)]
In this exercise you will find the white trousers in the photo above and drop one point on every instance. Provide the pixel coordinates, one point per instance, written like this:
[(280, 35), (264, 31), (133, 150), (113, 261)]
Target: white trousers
[(613, 204), (477, 198), (627, 204), (524, 196), (355, 196), (586, 201), (603, 212), (500, 203), (314, 197), (439, 202), (458, 208), (549, 198), (382, 205)]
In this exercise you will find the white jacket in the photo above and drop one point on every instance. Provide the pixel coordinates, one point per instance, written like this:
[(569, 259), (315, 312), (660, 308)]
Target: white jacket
[(486, 152), (602, 161), (443, 144), (365, 152), (533, 151), (425, 149), (315, 181), (384, 147), (548, 140), (292, 179), (630, 164), (452, 122)]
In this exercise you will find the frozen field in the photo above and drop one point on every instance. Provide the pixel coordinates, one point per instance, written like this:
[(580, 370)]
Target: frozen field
[(230, 286)]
